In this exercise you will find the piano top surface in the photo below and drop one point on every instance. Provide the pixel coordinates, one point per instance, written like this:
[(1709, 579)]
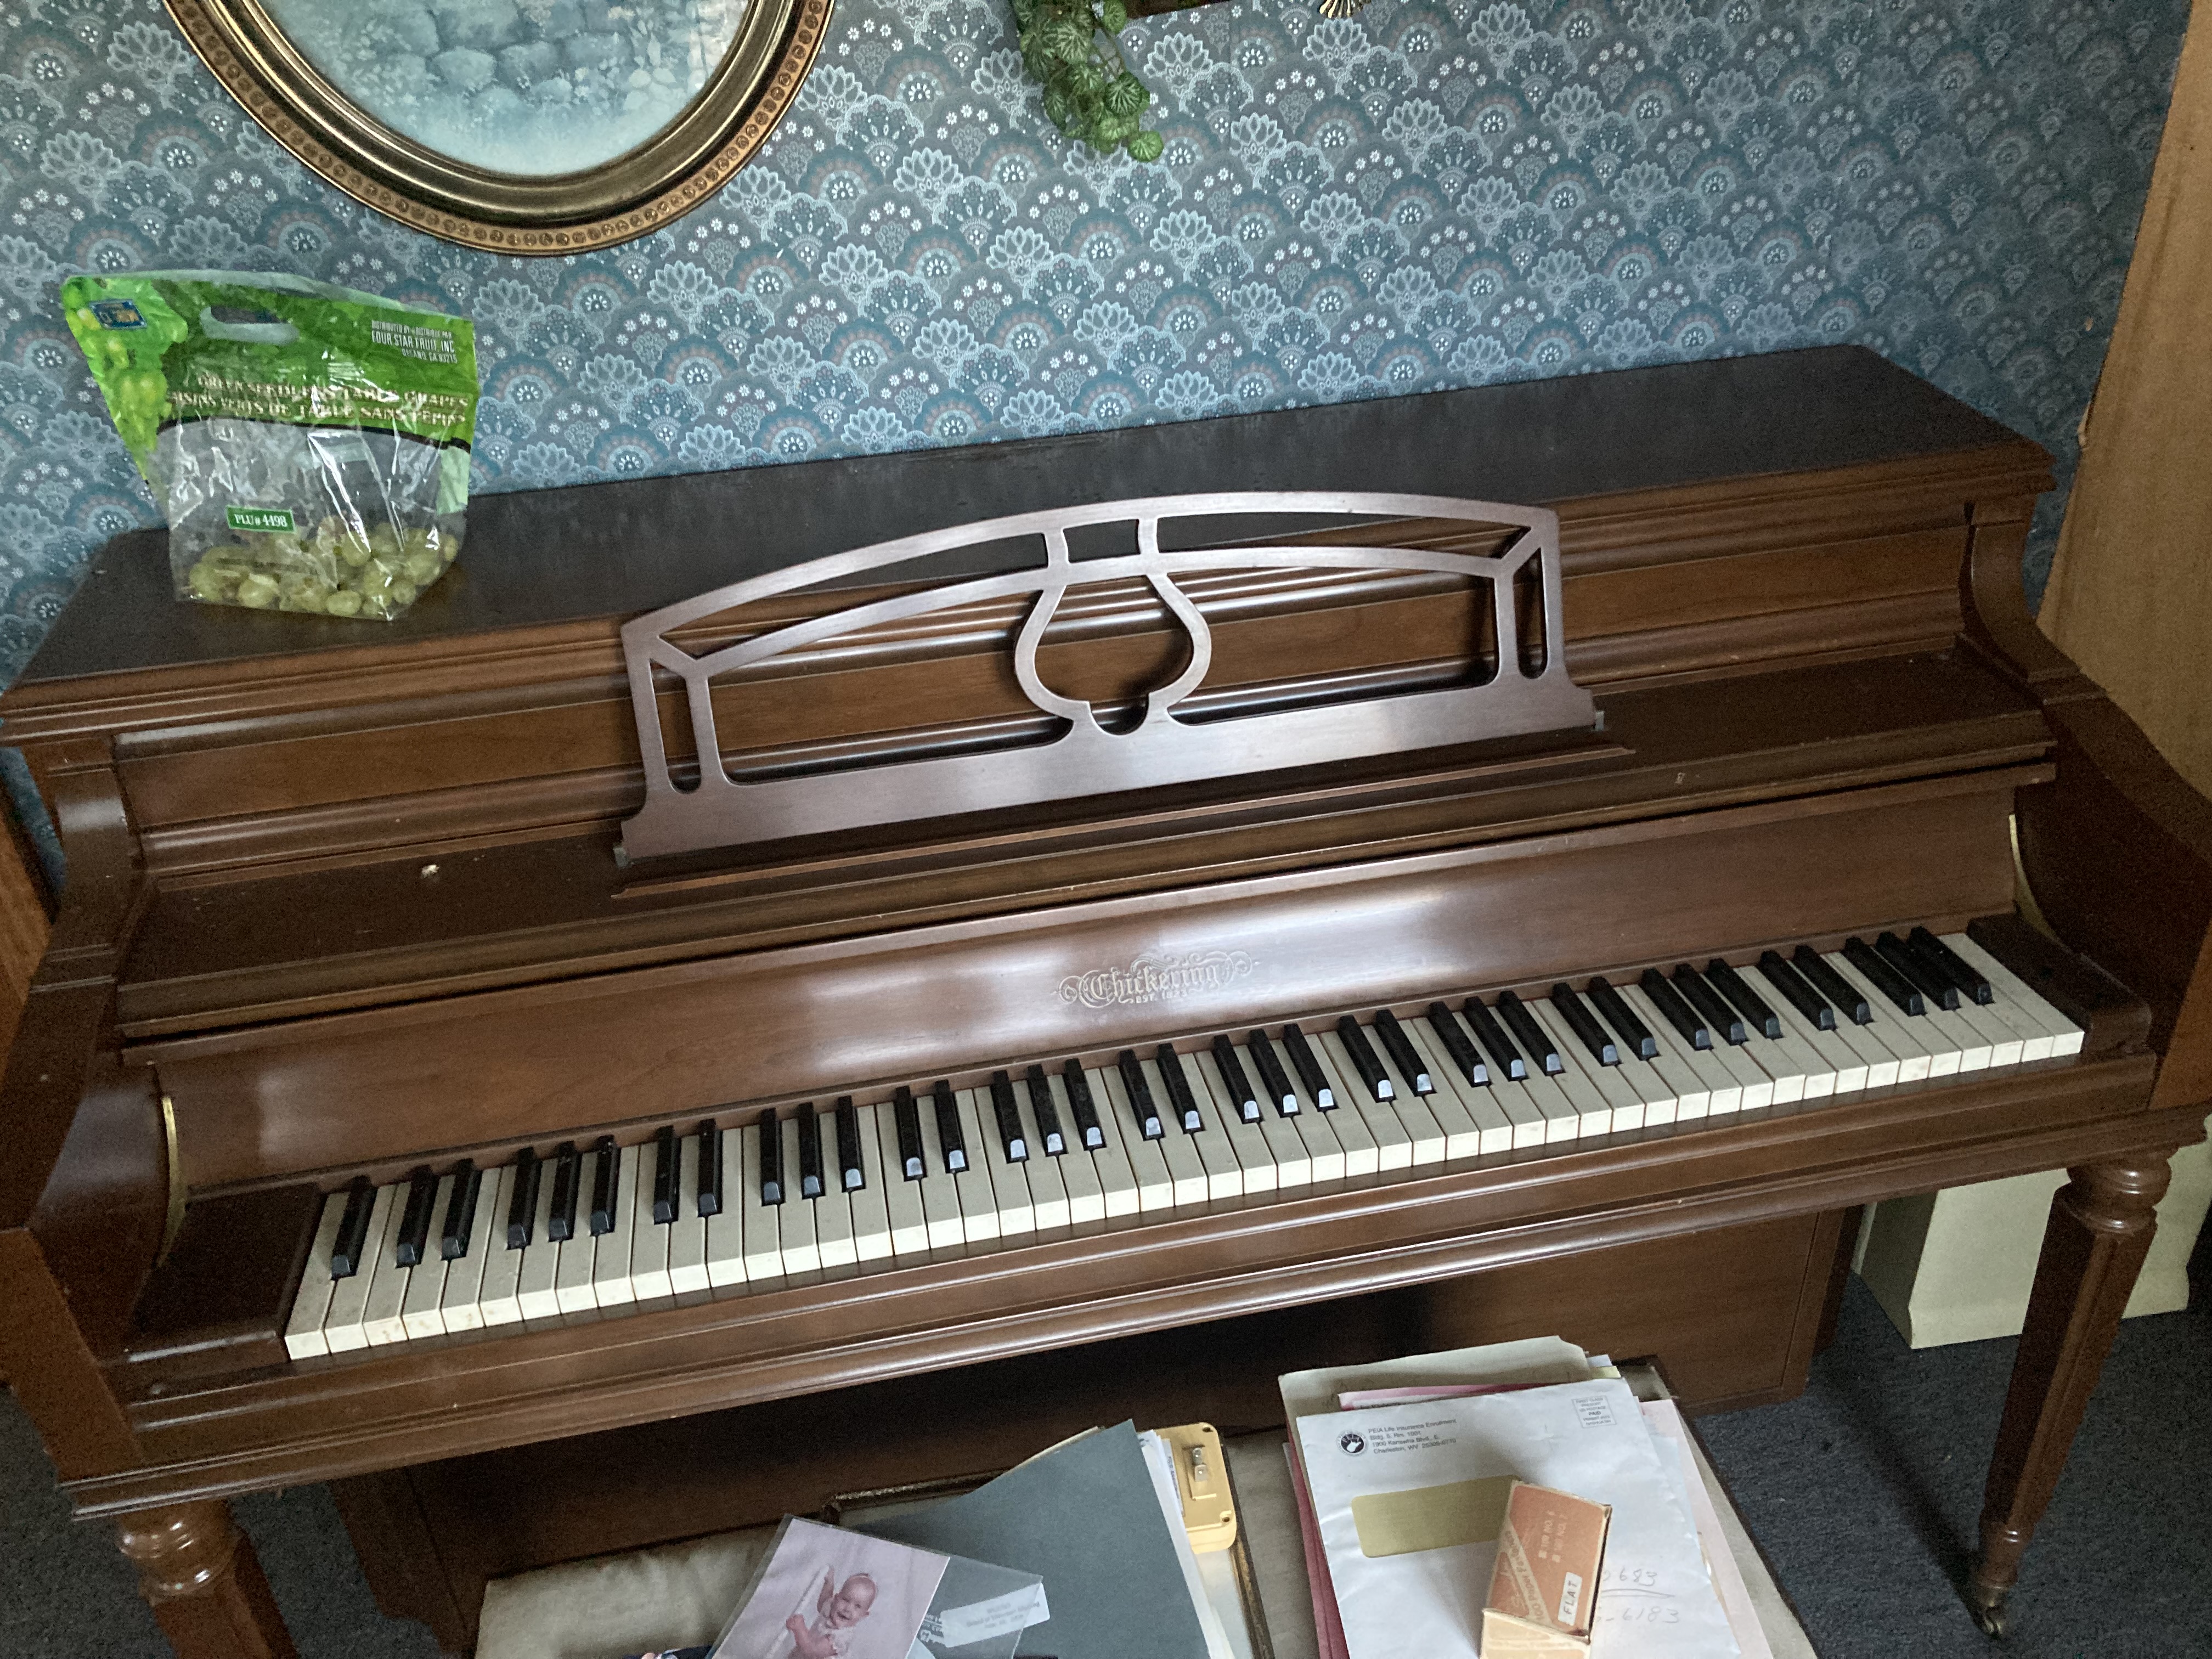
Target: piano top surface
[(542, 557)]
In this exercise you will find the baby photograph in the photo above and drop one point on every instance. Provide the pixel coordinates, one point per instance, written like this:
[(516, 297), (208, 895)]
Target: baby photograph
[(827, 1594)]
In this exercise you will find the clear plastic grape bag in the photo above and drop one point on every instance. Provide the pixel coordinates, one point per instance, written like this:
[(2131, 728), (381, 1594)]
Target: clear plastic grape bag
[(308, 444)]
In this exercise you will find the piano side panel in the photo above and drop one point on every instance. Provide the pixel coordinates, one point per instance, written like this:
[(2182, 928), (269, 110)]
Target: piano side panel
[(389, 1086)]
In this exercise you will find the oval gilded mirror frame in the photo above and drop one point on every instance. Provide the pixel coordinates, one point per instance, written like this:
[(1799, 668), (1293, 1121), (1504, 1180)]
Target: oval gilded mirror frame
[(676, 169)]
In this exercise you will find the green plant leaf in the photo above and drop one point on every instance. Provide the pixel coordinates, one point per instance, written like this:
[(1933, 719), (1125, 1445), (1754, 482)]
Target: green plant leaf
[(1128, 96), (1147, 147), (1114, 15)]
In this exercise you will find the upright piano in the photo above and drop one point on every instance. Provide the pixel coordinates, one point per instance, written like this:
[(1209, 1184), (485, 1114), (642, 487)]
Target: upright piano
[(768, 982)]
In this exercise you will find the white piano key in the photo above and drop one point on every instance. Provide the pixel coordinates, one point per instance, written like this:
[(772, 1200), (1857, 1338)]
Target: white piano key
[(1089, 1197), (1455, 1118), (1756, 1082), (760, 1235), (1148, 1165), (1416, 1113), (575, 1286), (461, 1305), (940, 1190), (833, 1227), (1325, 1154), (1593, 1111), (381, 1320), (422, 1310), (1624, 1107), (648, 1239), (725, 1230), (687, 1233), (1187, 1172), (1846, 1072), (872, 1222), (1360, 1113), (497, 1301), (1247, 1142), (536, 1287), (1658, 1083), (796, 1239), (1975, 1051), (2046, 1033), (902, 1205), (1047, 1180), (2006, 1044), (1290, 1162), (1868, 1049), (344, 1327), (979, 1219), (1691, 1089), (1798, 1070), (1010, 1181), (303, 1331), (1912, 1049), (612, 1285), (1217, 1155)]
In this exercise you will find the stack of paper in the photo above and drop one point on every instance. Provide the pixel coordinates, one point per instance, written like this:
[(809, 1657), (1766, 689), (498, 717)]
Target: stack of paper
[(1401, 1501)]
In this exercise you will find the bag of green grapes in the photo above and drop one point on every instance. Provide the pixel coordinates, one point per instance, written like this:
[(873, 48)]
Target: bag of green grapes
[(308, 444)]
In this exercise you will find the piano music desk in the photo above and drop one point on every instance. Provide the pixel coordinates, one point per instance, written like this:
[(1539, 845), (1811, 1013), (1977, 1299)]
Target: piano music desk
[(343, 902)]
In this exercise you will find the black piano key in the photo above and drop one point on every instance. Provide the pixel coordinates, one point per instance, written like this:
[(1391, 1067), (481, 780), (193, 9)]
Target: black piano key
[(667, 1174), (415, 1220), (1450, 1033), (1505, 1058), (353, 1229), (1927, 975), (1309, 1069), (1087, 1126), (1675, 1011), (1883, 977), (1726, 1023), (1964, 975), (460, 1211), (1846, 998), (810, 1182), (1241, 1092), (522, 1199), (1181, 1100), (710, 1168), (567, 1175), (771, 1158), (1273, 1078), (906, 1116), (1046, 1110), (852, 1169), (1744, 1000), (1403, 1054), (1635, 1036), (1795, 991), (1012, 1140), (949, 1136), (1584, 1023), (606, 1184), (1364, 1060), (1140, 1095), (1529, 1034)]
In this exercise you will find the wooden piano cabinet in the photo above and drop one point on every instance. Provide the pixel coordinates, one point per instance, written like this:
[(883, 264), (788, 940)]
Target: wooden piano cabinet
[(1733, 1313), (343, 900)]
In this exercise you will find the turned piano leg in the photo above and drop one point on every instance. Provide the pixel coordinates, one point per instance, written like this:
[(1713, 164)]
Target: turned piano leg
[(204, 1583), (2101, 1223)]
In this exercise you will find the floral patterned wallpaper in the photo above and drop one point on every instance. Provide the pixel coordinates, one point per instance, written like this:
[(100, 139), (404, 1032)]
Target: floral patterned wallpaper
[(1430, 193)]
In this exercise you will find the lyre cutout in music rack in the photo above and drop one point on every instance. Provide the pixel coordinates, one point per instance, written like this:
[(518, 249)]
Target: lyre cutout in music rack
[(1529, 691)]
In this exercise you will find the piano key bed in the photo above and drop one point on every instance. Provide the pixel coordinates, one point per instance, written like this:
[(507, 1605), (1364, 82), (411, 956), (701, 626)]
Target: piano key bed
[(1148, 1131)]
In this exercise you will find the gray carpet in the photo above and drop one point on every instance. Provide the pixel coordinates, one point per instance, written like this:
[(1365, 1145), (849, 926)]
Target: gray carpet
[(1863, 1493)]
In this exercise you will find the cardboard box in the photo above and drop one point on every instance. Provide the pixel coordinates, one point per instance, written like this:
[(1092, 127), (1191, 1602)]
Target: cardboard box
[(1543, 1592)]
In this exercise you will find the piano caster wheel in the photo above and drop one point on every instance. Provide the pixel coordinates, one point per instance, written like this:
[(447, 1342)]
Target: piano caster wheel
[(1995, 1621)]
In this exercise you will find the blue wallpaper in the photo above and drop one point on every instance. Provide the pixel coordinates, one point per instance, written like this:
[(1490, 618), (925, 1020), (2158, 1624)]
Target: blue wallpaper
[(1432, 193)]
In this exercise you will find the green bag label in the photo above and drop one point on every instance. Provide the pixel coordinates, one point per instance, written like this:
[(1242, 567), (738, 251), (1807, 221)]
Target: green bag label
[(174, 346), (260, 518)]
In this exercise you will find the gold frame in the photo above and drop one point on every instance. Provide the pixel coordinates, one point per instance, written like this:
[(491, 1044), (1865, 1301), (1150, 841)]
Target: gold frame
[(676, 170)]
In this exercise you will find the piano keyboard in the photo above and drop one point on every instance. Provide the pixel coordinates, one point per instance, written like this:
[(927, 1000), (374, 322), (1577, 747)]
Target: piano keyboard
[(1158, 1128)]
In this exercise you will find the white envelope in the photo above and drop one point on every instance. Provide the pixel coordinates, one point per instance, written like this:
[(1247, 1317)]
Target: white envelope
[(1403, 1495)]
